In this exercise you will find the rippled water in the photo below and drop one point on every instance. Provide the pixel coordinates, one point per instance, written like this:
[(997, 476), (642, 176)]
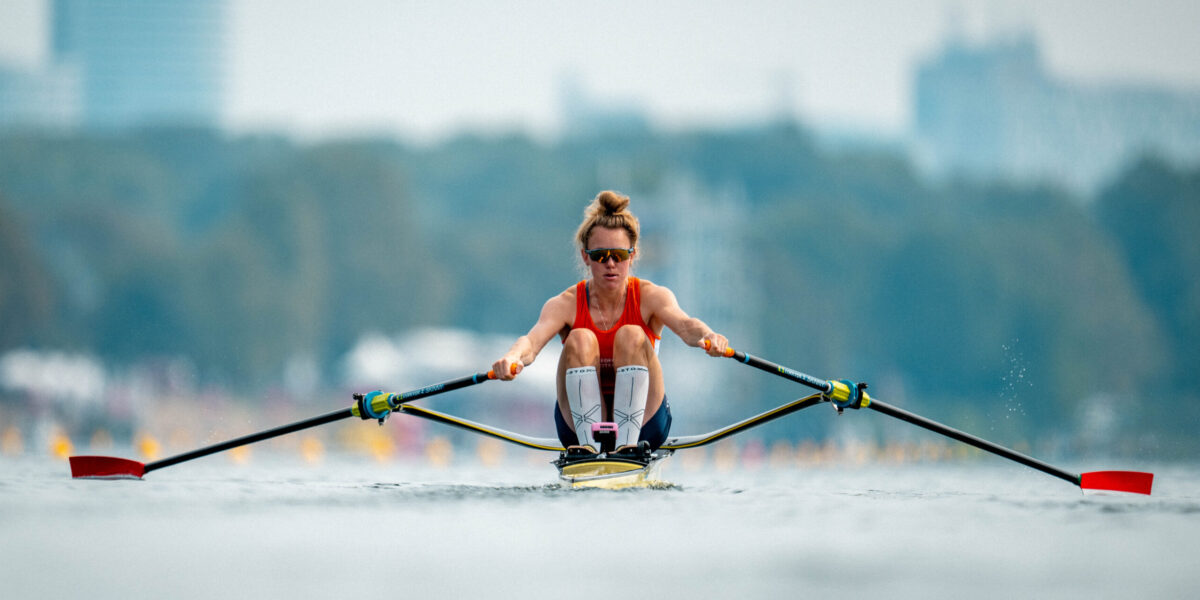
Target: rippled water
[(208, 529)]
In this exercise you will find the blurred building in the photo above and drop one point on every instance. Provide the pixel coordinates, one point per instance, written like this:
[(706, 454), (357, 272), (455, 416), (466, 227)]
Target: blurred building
[(992, 110), (46, 98), (584, 115), (121, 63)]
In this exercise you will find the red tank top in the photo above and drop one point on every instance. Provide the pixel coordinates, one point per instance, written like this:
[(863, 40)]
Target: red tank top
[(632, 315)]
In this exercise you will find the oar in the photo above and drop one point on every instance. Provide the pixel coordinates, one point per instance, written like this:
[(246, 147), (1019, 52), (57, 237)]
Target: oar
[(844, 394), (375, 405)]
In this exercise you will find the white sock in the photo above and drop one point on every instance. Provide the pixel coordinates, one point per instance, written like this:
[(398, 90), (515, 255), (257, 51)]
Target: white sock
[(629, 402), (583, 394)]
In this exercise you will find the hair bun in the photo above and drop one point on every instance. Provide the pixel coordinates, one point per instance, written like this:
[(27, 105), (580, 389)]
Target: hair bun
[(612, 202), (609, 210)]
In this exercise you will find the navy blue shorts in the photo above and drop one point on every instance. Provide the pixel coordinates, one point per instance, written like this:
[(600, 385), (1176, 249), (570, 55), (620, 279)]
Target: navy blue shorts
[(654, 431)]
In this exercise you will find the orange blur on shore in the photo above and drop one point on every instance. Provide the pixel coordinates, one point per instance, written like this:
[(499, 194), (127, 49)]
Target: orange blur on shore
[(381, 445)]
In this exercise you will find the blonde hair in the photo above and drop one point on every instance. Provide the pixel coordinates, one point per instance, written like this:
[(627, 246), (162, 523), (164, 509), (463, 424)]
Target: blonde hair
[(611, 210)]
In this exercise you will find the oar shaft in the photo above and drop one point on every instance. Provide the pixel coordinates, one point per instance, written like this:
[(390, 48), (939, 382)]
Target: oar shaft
[(815, 383), (967, 438), (336, 415), (446, 386), (826, 387), (250, 439)]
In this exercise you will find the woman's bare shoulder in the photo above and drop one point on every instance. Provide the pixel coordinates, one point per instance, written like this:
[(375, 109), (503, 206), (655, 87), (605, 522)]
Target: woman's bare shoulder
[(567, 294), (563, 302), (652, 292)]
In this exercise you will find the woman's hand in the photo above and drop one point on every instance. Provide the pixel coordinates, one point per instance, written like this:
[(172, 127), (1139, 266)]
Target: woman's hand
[(714, 343), (507, 368)]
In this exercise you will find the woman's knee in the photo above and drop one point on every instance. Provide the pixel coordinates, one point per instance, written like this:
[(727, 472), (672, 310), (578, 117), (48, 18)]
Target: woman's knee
[(630, 341), (581, 345)]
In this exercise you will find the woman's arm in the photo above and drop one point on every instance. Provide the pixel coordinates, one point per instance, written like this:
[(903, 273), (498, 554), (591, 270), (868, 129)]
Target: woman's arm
[(662, 307), (557, 313)]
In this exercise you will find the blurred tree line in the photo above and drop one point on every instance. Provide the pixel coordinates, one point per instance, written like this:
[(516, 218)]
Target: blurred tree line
[(244, 253)]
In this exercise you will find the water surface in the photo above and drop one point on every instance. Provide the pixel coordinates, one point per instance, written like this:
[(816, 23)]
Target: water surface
[(206, 529)]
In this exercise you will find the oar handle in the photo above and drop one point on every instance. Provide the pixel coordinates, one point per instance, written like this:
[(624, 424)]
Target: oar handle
[(512, 369)]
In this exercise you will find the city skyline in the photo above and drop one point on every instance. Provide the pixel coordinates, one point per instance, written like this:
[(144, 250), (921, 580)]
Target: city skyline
[(138, 62), (992, 110), (384, 68)]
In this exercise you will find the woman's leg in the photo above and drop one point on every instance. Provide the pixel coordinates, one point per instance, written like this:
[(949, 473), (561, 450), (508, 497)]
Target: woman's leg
[(579, 399), (638, 393)]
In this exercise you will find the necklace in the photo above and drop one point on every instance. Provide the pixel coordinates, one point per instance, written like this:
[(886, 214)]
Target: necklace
[(605, 323)]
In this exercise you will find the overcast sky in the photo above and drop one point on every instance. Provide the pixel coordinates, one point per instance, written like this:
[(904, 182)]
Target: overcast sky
[(432, 68)]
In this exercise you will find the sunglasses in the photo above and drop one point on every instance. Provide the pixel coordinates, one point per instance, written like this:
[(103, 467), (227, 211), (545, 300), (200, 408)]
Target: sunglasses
[(601, 255)]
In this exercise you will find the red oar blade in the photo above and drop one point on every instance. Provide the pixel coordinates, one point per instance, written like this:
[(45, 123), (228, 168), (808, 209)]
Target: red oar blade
[(106, 467), (1134, 482)]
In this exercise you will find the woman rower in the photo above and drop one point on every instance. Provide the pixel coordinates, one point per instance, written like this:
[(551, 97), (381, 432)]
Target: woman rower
[(610, 324)]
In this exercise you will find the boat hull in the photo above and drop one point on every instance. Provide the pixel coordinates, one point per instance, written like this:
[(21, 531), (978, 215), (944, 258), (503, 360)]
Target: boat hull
[(613, 473)]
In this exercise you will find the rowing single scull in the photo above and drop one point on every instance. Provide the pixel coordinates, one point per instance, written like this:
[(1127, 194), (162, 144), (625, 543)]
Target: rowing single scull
[(616, 469)]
